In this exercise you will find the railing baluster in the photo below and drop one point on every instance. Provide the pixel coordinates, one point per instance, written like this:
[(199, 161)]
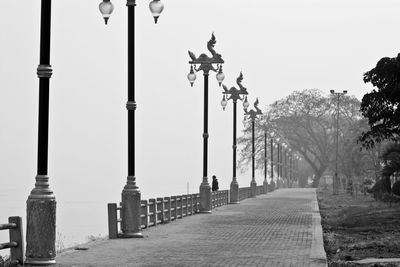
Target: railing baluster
[(144, 213), (112, 221), (173, 207), (167, 205), (160, 209)]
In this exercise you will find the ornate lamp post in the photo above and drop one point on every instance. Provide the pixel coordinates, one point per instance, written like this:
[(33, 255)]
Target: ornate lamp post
[(336, 178), (205, 63), (41, 203), (272, 154), (252, 115), (290, 178), (278, 162), (284, 163), (131, 196), (265, 183), (235, 95)]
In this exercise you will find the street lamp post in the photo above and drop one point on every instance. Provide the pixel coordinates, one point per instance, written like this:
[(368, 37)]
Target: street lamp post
[(290, 168), (41, 203), (131, 196), (272, 156), (285, 170), (205, 63), (252, 115), (265, 183), (336, 178), (235, 95), (278, 164)]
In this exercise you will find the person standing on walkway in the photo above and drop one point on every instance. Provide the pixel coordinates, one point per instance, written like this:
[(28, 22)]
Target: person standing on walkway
[(214, 183)]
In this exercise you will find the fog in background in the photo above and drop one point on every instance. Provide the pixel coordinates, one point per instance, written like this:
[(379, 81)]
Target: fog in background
[(280, 46)]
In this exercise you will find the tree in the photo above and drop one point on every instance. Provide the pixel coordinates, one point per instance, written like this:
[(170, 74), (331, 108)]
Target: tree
[(380, 106), (391, 160), (306, 120), (358, 163)]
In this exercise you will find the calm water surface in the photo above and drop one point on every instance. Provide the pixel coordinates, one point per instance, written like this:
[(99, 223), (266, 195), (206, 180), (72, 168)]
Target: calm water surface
[(76, 220)]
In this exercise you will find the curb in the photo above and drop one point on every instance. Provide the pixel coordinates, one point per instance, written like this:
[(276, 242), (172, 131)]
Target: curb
[(318, 254)]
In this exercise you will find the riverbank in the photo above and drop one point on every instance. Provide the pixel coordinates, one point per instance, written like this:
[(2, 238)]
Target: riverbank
[(356, 228)]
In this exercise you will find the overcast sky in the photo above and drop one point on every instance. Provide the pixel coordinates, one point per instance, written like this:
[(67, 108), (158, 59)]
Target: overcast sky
[(280, 46)]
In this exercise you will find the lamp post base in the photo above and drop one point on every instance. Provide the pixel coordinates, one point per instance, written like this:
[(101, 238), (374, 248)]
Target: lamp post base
[(253, 187), (265, 185), (131, 235), (131, 210), (205, 197), (41, 224), (234, 192)]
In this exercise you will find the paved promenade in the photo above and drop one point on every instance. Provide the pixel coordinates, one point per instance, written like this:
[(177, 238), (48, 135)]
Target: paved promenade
[(281, 228)]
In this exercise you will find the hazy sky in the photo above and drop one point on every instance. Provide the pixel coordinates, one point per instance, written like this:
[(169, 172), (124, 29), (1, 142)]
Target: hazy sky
[(280, 46)]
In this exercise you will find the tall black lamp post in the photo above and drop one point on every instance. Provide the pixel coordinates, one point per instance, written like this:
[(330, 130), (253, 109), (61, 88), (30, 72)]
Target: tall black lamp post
[(131, 196), (265, 182), (290, 179), (278, 162), (41, 203), (206, 64), (284, 163), (336, 178), (235, 95), (252, 115), (272, 155)]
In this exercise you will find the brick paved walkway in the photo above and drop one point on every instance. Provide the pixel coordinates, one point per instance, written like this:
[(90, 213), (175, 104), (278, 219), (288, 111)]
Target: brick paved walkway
[(278, 229)]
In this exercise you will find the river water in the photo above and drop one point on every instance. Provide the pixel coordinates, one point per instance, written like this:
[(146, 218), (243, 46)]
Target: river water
[(77, 221)]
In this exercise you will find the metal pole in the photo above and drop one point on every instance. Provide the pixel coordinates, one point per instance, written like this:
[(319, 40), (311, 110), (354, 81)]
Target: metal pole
[(290, 169), (272, 159), (336, 181), (41, 203), (278, 165), (131, 196), (234, 190), (253, 184), (265, 184), (285, 165), (205, 188)]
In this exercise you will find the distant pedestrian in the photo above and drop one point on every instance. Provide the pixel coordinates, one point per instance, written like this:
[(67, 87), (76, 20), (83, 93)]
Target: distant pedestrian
[(214, 184)]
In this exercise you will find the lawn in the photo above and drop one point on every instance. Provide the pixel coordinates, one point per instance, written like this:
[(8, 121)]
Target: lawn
[(358, 227)]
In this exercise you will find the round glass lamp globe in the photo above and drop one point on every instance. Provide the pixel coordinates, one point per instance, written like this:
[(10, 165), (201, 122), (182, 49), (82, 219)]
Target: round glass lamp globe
[(106, 8), (156, 7), (220, 77)]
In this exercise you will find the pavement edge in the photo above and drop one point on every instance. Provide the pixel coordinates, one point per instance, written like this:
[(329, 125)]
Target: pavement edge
[(318, 254)]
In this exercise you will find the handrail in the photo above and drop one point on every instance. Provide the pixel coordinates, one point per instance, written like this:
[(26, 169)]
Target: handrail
[(16, 239), (167, 209)]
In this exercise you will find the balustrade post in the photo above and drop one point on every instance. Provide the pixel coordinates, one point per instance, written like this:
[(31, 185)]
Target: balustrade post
[(160, 208), (144, 213), (16, 235), (173, 208), (112, 221), (167, 206)]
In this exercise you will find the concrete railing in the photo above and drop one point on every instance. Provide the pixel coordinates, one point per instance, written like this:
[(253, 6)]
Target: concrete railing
[(16, 243), (167, 209), (244, 192), (219, 198), (155, 211), (260, 190)]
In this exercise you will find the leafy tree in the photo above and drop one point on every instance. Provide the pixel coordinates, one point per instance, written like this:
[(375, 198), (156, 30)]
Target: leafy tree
[(306, 120), (380, 106), (356, 163), (391, 160)]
